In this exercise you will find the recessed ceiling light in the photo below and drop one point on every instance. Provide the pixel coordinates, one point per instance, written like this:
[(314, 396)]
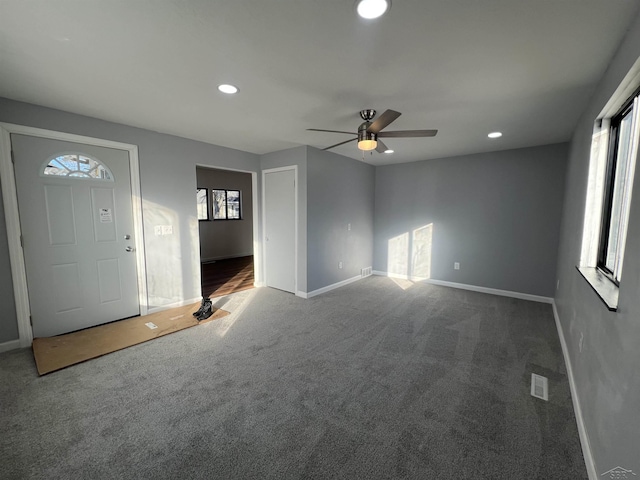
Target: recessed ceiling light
[(228, 89), (495, 135), (388, 151), (372, 8)]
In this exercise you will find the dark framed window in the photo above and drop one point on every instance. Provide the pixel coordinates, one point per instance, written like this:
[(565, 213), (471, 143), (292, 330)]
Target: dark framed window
[(202, 203), (620, 168), (226, 204)]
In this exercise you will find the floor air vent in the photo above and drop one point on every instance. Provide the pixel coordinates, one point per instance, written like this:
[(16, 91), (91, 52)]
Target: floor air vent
[(366, 271), (539, 387)]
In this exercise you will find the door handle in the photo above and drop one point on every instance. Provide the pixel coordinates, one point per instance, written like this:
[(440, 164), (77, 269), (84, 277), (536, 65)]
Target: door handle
[(128, 249)]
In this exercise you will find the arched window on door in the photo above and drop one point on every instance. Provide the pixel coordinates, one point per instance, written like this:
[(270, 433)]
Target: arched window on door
[(77, 165)]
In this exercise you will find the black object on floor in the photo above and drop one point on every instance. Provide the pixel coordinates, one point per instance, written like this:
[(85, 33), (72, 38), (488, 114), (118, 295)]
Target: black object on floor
[(206, 310)]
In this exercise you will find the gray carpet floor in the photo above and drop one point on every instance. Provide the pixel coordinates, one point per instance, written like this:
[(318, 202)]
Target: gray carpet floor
[(371, 381)]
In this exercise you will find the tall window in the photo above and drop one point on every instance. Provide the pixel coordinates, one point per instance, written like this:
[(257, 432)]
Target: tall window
[(623, 147), (202, 203), (613, 156), (226, 205)]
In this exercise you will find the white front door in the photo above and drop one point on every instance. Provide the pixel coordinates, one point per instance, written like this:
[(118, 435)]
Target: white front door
[(77, 225), (280, 233)]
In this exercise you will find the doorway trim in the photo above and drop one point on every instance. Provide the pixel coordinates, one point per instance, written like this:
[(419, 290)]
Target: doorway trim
[(258, 280), (264, 223), (12, 217)]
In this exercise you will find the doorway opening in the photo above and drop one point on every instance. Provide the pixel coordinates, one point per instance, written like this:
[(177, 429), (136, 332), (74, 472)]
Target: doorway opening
[(225, 219)]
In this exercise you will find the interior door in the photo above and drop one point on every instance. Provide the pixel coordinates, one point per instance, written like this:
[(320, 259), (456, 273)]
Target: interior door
[(77, 226), (280, 233)]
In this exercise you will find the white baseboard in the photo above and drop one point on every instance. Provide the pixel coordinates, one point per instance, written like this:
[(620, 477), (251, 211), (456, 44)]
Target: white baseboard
[(10, 345), (173, 305), (473, 288), (582, 430), (328, 288), (225, 257)]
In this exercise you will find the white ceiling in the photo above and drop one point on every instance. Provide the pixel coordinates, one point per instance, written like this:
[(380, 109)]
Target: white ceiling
[(465, 67)]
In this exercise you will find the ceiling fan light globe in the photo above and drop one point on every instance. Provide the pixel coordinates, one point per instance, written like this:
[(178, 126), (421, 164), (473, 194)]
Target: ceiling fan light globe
[(366, 140), (371, 9), (367, 145)]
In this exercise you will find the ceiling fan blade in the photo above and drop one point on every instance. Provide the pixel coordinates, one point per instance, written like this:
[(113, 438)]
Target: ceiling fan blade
[(408, 133), (381, 147), (341, 143), (331, 131), (383, 120)]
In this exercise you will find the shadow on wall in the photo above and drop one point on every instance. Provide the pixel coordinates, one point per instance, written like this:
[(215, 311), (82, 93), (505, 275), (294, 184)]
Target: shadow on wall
[(409, 256)]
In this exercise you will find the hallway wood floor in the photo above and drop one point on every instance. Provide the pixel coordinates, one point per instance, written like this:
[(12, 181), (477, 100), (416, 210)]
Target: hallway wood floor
[(223, 277)]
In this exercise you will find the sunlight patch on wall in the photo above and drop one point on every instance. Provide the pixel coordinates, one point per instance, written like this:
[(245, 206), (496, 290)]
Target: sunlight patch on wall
[(409, 256), (163, 252), (421, 258), (398, 255)]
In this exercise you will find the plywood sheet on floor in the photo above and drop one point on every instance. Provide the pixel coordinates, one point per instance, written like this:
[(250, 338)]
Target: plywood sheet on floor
[(54, 353)]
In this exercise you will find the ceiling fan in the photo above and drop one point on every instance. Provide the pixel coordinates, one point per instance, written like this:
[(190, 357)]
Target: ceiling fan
[(369, 133)]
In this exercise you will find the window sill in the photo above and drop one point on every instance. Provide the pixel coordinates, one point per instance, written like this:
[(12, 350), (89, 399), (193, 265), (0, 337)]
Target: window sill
[(602, 285)]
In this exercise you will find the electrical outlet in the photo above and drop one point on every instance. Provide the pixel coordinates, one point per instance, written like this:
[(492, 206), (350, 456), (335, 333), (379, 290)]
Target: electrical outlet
[(339, 264), (456, 265), (349, 227)]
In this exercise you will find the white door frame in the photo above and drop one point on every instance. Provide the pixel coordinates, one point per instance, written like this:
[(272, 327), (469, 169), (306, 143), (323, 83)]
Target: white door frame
[(264, 222), (10, 198), (257, 255)]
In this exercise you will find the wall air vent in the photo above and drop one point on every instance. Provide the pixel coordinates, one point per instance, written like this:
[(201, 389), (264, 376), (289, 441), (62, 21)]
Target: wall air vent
[(366, 272)]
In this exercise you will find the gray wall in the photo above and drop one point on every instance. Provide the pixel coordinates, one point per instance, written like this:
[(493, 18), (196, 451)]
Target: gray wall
[(339, 192), (606, 368), (226, 238), (332, 191), (497, 214), (284, 158), (168, 182)]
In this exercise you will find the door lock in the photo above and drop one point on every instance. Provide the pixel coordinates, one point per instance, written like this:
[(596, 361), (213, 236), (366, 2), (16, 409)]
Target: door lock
[(129, 249)]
